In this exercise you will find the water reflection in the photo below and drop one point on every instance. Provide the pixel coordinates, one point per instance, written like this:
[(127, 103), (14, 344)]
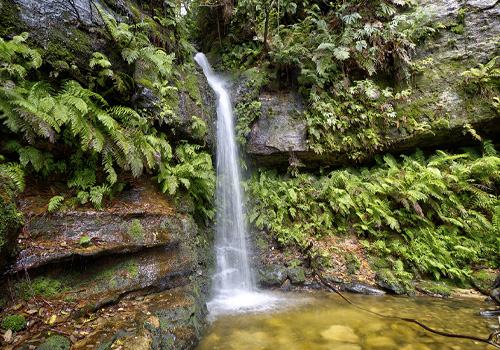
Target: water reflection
[(324, 321)]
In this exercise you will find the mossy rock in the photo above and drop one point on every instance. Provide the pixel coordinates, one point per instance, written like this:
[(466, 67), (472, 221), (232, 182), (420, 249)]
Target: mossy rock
[(388, 281), (55, 342), (296, 275), (483, 280), (271, 275), (434, 289), (15, 323), (11, 224), (352, 263)]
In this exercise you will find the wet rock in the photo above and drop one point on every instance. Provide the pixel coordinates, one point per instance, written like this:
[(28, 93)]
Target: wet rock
[(48, 12), (495, 295), (55, 342), (286, 286), (139, 218), (361, 288), (489, 313), (271, 275), (145, 99), (136, 342), (279, 129), (181, 318)]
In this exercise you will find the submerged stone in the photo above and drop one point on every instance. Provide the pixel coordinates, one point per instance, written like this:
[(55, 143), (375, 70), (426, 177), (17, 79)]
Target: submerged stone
[(340, 333)]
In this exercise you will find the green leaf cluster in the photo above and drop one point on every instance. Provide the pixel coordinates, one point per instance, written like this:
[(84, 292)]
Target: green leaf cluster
[(439, 214), (95, 139)]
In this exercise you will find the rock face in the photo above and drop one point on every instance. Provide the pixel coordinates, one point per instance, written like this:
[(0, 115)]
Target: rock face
[(279, 129), (441, 105), (139, 254)]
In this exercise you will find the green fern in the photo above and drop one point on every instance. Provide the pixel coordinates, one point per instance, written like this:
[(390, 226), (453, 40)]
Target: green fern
[(55, 203)]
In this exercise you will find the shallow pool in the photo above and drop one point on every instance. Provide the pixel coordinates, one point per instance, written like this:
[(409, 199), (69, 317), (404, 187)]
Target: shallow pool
[(320, 320)]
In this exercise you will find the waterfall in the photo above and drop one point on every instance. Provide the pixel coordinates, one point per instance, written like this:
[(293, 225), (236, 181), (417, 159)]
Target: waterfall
[(233, 283), (233, 266)]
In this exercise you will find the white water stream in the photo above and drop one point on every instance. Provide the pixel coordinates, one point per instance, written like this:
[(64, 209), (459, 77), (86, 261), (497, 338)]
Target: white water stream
[(233, 283)]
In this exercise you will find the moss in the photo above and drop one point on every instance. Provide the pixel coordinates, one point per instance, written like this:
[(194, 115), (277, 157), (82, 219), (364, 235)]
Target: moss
[(15, 323), (440, 290), (190, 85), (136, 230), (296, 275), (461, 15), (458, 29), (133, 270), (9, 18), (55, 342), (379, 263), (65, 48), (352, 263), (387, 280), (440, 124), (46, 286)]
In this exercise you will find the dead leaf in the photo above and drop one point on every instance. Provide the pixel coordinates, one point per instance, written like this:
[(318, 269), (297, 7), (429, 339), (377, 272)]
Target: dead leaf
[(8, 336), (52, 319), (17, 307), (32, 311)]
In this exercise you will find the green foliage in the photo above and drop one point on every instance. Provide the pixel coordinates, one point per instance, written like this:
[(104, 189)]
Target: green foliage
[(194, 171), (11, 178), (55, 203), (44, 286), (16, 59), (437, 214), (85, 241), (486, 78), (340, 51), (98, 138), (15, 323)]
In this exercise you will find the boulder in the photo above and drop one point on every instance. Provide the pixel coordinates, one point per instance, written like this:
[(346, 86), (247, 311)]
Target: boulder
[(271, 275), (361, 288)]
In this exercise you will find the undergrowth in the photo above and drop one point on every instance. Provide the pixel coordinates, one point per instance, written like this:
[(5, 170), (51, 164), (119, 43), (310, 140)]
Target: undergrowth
[(439, 215)]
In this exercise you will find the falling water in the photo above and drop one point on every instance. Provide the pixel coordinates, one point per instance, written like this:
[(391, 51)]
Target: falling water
[(233, 282)]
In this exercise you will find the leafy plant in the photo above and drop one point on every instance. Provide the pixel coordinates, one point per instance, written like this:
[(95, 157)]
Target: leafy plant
[(437, 214), (486, 77)]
